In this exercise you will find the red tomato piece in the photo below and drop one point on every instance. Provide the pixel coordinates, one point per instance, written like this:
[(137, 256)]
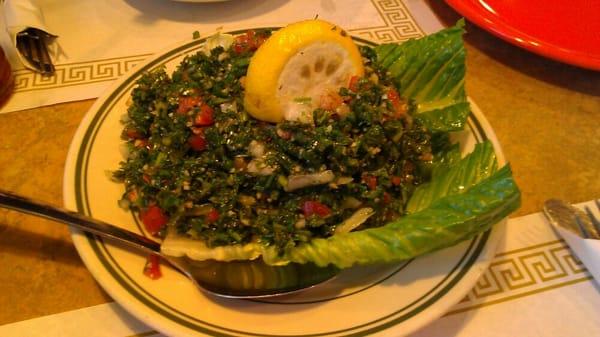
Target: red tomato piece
[(251, 40), (247, 42), (311, 207), (396, 180), (238, 48), (331, 101), (353, 85), (152, 267), (370, 180), (132, 195), (240, 43), (387, 198), (198, 142), (133, 134), (154, 219), (212, 216), (396, 101), (187, 103), (205, 116)]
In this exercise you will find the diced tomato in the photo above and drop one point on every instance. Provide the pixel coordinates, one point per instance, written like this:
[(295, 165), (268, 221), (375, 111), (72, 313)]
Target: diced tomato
[(133, 134), (353, 85), (370, 180), (198, 142), (140, 143), (331, 101), (250, 39), (239, 46), (146, 178), (153, 218), (132, 195), (212, 216), (387, 198), (152, 267), (311, 207), (399, 108), (396, 180), (186, 103), (205, 116), (248, 42)]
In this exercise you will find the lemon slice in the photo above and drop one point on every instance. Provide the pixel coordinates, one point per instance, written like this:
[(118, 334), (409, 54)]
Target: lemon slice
[(295, 67)]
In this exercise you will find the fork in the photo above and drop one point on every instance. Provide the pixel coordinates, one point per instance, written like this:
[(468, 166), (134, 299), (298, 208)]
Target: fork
[(587, 231), (32, 44)]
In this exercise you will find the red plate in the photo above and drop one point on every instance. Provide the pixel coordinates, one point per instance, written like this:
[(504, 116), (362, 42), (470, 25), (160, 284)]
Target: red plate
[(567, 31)]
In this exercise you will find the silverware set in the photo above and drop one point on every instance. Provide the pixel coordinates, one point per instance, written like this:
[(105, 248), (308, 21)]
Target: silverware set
[(583, 223), (32, 43), (580, 229)]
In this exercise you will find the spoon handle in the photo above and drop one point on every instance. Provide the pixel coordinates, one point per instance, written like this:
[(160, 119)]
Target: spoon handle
[(76, 220)]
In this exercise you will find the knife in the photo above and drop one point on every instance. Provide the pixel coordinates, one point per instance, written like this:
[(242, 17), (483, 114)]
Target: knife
[(572, 224)]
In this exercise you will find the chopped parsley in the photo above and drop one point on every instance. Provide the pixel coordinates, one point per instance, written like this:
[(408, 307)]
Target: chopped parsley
[(202, 165)]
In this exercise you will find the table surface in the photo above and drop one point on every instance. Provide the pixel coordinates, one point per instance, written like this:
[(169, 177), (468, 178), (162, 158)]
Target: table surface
[(546, 116)]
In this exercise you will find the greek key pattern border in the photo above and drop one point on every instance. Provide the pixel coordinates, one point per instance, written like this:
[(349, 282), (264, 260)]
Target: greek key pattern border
[(398, 26), (524, 272), (72, 74)]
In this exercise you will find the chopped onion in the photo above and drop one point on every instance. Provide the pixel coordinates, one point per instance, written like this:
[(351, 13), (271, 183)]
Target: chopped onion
[(354, 220), (257, 166), (247, 200), (343, 180), (217, 40), (256, 149), (228, 107), (351, 202), (304, 180), (124, 150)]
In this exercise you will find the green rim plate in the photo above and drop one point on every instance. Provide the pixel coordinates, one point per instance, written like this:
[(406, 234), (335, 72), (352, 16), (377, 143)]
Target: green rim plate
[(387, 300)]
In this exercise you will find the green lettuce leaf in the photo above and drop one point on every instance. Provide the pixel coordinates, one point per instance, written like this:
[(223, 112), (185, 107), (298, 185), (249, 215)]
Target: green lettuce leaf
[(447, 221), (450, 177), (430, 73)]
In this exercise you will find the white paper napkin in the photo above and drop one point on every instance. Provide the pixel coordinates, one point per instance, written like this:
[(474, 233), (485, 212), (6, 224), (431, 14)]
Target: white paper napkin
[(20, 15), (587, 250)]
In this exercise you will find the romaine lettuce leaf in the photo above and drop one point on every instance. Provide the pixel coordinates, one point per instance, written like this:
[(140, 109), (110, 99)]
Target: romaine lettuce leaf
[(430, 73), (449, 178)]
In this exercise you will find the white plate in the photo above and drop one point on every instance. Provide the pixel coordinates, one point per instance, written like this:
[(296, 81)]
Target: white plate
[(387, 301)]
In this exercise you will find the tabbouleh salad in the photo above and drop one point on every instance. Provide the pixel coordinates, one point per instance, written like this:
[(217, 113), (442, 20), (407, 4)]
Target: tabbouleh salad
[(199, 163)]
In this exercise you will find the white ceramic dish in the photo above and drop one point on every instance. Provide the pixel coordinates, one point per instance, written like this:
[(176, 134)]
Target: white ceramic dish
[(388, 301)]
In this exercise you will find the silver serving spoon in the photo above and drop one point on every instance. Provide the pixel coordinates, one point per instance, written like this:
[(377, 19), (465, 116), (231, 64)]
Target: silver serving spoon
[(238, 279)]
